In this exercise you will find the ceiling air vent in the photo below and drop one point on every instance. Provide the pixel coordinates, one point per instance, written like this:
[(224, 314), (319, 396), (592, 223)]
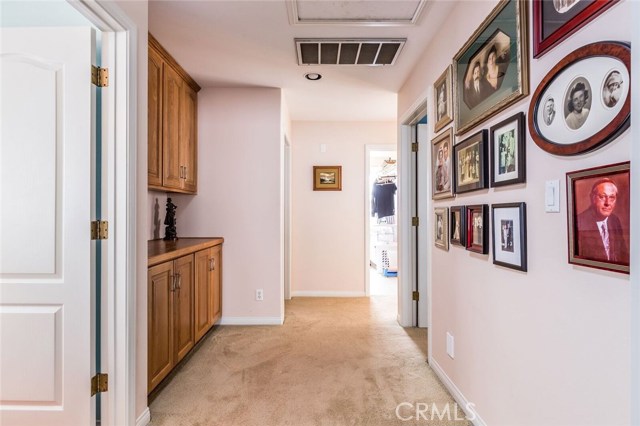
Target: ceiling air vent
[(348, 52)]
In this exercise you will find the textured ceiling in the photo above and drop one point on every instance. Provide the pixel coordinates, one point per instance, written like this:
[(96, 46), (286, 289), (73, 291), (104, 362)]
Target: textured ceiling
[(243, 43)]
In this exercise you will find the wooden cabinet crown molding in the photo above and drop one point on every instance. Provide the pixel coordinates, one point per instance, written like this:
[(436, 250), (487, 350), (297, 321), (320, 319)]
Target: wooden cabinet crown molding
[(166, 56)]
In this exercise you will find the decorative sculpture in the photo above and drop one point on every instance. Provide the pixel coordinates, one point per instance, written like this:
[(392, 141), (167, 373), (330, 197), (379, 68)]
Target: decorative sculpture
[(170, 233)]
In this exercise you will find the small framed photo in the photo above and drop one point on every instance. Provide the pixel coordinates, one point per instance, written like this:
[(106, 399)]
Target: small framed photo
[(327, 178), (584, 102), (443, 101), (510, 235), (441, 170), (598, 209), (554, 21), (477, 221), (470, 157), (457, 228), (441, 227), (508, 157)]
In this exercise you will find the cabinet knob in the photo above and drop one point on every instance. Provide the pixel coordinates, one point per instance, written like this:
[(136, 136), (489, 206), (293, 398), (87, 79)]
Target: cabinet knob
[(212, 264)]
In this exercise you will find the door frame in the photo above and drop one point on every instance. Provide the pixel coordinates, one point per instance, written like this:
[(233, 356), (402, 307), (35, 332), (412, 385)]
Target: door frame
[(367, 208), (407, 261), (119, 144)]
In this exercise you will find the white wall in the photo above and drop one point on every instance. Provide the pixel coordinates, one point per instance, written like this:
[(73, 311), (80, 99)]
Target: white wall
[(550, 346), (328, 226), (239, 197)]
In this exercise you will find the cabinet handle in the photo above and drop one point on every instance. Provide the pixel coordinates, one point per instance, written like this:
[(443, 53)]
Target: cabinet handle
[(213, 261), (185, 172), (179, 281), (181, 172), (173, 282)]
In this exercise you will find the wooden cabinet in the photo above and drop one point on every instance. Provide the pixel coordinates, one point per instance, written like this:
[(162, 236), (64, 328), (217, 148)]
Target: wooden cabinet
[(184, 299), (172, 122), (208, 303)]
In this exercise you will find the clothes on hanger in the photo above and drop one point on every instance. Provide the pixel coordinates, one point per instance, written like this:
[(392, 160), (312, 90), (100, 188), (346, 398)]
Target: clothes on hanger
[(383, 198)]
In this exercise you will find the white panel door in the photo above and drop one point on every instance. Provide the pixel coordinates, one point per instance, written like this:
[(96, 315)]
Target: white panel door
[(45, 256)]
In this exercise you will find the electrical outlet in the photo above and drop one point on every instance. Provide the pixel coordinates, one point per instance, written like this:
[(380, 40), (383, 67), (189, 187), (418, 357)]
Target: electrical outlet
[(450, 345), (259, 294)]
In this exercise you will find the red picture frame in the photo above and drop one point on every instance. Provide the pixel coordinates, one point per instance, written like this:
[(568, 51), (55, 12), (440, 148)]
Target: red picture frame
[(574, 21), (477, 224)]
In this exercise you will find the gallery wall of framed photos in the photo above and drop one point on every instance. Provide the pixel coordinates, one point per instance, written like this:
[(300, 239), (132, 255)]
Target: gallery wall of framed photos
[(527, 266)]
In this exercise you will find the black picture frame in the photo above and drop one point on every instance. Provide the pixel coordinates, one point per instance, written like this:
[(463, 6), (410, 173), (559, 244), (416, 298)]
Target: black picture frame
[(477, 222), (589, 202), (470, 159), (553, 23), (508, 151), (509, 236), (601, 74), (457, 226), (501, 81)]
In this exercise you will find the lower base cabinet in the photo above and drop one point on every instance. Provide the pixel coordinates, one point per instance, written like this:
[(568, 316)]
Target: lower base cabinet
[(184, 302)]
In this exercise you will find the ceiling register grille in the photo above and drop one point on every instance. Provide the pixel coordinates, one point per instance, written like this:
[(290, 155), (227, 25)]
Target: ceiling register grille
[(348, 52)]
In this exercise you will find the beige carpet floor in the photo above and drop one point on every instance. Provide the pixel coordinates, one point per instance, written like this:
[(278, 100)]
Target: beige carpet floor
[(335, 362)]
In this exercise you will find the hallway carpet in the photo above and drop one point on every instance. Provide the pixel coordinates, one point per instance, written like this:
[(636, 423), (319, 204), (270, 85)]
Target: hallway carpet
[(334, 362)]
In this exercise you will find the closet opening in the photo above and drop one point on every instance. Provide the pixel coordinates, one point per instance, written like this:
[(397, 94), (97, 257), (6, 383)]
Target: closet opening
[(381, 220)]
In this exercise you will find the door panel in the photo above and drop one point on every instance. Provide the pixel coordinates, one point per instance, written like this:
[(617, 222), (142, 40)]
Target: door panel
[(183, 312), (45, 251), (160, 295), (202, 293), (172, 98), (189, 144), (155, 119), (216, 284)]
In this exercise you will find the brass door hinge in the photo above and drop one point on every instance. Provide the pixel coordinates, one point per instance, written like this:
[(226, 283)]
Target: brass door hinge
[(99, 230), (416, 295), (414, 147), (99, 383), (415, 221), (100, 76)]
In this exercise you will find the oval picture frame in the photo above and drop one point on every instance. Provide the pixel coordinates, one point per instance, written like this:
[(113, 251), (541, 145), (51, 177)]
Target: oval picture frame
[(584, 102)]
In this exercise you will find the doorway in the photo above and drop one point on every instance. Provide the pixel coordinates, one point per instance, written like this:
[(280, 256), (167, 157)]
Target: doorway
[(381, 221)]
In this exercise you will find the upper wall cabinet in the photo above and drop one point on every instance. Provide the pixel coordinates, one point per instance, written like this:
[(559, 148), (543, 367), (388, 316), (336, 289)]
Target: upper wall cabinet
[(172, 120)]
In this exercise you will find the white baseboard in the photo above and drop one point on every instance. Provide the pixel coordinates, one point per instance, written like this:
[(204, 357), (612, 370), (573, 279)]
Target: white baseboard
[(328, 294), (251, 321), (144, 418), (467, 406)]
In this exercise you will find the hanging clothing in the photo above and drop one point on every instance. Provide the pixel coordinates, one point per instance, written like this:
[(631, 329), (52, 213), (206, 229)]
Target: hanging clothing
[(383, 199)]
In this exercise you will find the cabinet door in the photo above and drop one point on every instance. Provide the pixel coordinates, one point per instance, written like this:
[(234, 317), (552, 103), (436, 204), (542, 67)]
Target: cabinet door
[(202, 293), (160, 323), (188, 139), (154, 115), (183, 316), (172, 100), (216, 284)]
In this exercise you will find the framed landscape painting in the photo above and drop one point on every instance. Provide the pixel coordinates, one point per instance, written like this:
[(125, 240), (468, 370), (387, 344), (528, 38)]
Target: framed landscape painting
[(491, 69), (327, 178)]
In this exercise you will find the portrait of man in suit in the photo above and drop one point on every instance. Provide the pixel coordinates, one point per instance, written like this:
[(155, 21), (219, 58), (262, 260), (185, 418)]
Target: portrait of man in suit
[(476, 89), (600, 232)]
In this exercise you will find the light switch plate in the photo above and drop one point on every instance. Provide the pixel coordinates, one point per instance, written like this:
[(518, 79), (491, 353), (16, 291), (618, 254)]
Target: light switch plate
[(552, 196)]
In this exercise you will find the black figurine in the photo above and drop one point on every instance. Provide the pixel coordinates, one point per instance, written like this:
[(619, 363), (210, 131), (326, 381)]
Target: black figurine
[(170, 233)]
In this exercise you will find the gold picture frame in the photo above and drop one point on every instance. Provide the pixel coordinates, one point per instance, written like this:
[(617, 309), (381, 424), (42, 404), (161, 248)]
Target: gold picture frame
[(443, 100), (327, 178), (498, 51)]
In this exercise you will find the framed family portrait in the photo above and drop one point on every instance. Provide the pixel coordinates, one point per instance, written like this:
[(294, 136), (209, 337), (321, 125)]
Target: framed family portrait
[(477, 221), (327, 178), (457, 229), (470, 158), (509, 235), (598, 202), (441, 170), (443, 101), (491, 69), (508, 156), (555, 20), (441, 227), (584, 102)]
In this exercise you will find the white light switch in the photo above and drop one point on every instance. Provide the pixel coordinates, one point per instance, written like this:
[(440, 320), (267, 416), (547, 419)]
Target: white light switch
[(552, 196), (323, 147), (450, 345)]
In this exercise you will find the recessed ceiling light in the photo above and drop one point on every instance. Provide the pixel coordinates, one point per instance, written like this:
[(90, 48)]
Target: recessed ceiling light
[(313, 76)]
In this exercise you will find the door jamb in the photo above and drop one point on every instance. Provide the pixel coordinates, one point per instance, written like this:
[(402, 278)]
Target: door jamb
[(119, 191)]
